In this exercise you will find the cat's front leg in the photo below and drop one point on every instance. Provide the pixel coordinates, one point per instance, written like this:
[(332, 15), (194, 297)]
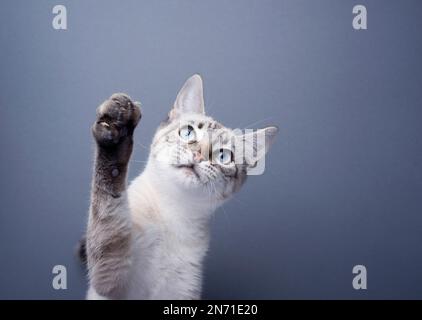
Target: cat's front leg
[(109, 234), (113, 130)]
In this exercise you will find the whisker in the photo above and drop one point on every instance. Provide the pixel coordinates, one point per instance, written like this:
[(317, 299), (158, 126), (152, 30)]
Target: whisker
[(248, 126), (141, 145), (138, 161), (240, 201)]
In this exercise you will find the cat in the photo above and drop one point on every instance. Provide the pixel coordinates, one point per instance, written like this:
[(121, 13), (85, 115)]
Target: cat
[(149, 240)]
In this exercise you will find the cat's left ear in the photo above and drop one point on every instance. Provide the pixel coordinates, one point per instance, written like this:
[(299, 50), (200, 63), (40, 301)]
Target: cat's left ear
[(257, 144), (190, 98)]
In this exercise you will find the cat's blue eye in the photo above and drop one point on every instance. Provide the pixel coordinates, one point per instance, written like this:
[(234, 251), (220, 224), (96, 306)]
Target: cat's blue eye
[(188, 134), (224, 156)]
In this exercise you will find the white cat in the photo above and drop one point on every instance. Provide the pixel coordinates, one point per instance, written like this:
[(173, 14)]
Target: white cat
[(148, 241)]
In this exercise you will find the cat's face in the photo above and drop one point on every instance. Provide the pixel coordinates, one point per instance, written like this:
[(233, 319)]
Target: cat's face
[(198, 153)]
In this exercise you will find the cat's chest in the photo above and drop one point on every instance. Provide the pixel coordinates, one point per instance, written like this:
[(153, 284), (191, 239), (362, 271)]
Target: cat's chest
[(166, 266), (169, 248)]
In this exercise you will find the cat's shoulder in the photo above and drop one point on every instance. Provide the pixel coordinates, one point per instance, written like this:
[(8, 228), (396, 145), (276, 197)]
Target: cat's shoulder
[(144, 209)]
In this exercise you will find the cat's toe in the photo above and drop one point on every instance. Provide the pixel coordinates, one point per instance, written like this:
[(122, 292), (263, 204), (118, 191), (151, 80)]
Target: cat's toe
[(105, 134), (117, 117), (128, 109), (120, 110)]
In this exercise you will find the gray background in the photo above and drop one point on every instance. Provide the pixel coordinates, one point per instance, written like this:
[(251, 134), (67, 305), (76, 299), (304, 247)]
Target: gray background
[(343, 184)]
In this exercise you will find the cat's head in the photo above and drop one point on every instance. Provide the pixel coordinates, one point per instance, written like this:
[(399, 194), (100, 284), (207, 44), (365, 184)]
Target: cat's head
[(199, 154)]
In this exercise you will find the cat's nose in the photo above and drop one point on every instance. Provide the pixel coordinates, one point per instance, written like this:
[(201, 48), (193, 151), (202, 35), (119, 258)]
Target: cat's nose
[(197, 156)]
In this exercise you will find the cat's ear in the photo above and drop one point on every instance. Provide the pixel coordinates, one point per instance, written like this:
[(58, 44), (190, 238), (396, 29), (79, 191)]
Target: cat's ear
[(190, 98), (257, 143), (270, 134)]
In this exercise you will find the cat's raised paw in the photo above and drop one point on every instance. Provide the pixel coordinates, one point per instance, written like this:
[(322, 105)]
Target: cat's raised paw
[(117, 118)]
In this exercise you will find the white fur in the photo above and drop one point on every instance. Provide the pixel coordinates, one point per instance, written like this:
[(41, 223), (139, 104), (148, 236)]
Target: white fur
[(171, 232)]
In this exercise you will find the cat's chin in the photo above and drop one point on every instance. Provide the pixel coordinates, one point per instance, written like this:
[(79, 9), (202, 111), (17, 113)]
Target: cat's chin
[(188, 177), (193, 181), (185, 177)]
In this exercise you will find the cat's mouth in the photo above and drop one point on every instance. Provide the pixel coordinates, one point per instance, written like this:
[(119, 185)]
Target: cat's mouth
[(189, 168)]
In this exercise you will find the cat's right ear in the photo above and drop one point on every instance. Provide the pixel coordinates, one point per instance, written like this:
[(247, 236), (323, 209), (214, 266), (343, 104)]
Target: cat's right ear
[(190, 98), (256, 144)]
